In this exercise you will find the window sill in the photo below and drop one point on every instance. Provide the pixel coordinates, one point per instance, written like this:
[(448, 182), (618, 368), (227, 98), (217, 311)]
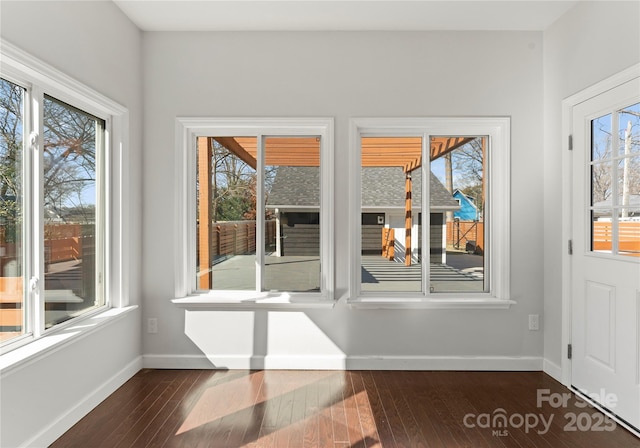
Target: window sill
[(52, 342), (234, 300), (422, 303)]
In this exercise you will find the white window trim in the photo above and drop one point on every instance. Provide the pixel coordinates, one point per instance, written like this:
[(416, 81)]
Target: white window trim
[(187, 130), (39, 78), (497, 213)]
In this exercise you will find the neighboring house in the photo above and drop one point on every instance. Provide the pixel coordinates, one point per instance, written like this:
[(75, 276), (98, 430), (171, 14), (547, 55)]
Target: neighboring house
[(633, 211), (295, 197), (468, 209)]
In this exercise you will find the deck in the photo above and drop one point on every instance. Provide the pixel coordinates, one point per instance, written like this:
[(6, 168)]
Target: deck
[(463, 273)]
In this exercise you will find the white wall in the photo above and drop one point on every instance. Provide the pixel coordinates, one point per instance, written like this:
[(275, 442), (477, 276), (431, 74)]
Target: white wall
[(96, 44), (591, 42), (342, 75)]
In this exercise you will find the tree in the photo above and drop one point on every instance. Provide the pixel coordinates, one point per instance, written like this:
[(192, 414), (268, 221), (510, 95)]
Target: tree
[(231, 181), (11, 104), (69, 159), (467, 166), (234, 186)]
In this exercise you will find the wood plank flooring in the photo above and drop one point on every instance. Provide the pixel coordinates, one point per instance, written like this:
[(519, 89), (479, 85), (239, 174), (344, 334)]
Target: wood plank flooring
[(340, 409)]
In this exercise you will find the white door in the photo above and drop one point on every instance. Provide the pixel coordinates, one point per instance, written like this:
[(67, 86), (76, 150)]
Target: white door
[(605, 332)]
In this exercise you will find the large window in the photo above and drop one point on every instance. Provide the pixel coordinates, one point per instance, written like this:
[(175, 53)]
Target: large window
[(432, 204), (257, 202), (54, 190)]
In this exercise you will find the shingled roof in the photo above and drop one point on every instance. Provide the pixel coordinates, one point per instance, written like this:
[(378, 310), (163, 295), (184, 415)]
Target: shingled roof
[(381, 187)]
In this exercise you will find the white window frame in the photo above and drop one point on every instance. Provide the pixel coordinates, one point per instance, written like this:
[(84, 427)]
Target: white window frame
[(188, 129), (40, 79), (497, 214)]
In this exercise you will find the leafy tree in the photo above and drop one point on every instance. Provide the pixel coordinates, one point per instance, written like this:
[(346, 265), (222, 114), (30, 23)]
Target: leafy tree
[(11, 105)]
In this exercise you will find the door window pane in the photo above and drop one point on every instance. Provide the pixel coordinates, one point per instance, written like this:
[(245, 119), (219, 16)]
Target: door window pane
[(602, 230), (629, 231), (601, 138), (601, 185), (629, 130), (456, 219), (73, 144), (629, 181), (12, 304)]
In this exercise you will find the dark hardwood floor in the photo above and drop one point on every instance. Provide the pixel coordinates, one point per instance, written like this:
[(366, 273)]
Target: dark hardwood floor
[(212, 408)]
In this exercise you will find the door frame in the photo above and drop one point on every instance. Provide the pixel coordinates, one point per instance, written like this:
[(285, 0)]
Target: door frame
[(567, 201)]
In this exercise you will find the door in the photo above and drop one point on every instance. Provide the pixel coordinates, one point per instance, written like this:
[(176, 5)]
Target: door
[(605, 332)]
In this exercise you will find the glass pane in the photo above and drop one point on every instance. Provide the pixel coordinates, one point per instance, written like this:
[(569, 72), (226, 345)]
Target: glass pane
[(601, 230), (601, 186), (629, 130), (456, 219), (391, 202), (73, 142), (629, 181), (11, 256), (629, 231), (292, 214), (601, 138), (226, 213)]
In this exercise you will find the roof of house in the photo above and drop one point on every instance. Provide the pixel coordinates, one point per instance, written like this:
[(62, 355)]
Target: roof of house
[(381, 187), (633, 207)]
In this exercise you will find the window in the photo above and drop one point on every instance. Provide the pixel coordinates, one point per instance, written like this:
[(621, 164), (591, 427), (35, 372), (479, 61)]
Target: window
[(256, 204), (461, 251), (56, 167), (615, 182)]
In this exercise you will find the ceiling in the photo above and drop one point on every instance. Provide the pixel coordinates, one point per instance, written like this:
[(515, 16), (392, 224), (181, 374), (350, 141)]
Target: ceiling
[(343, 15)]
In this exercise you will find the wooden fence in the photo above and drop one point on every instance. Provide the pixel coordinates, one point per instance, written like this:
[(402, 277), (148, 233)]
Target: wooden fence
[(239, 237), (62, 242), (628, 237), (461, 233)]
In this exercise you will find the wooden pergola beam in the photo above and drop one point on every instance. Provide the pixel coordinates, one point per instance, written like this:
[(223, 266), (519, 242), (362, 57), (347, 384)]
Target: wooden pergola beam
[(232, 145), (405, 152), (444, 145)]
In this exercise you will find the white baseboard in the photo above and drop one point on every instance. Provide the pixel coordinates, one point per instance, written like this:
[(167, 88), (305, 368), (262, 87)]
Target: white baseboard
[(62, 424), (340, 362), (491, 363), (552, 369)]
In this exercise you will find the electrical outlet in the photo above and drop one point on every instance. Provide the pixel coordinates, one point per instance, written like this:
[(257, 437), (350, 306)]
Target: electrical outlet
[(152, 325), (534, 322)]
